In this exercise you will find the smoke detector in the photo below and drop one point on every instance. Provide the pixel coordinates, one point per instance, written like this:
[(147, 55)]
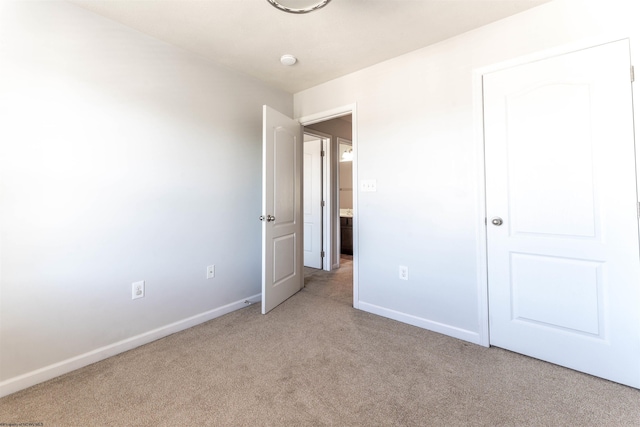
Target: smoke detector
[(288, 59)]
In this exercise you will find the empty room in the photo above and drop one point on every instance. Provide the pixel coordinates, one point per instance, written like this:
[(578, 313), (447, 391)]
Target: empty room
[(319, 212)]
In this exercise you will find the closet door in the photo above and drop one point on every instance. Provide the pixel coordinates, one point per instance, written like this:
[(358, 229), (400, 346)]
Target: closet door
[(562, 231)]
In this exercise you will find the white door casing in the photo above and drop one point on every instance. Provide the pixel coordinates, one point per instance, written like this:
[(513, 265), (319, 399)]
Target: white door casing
[(282, 271), (563, 268), (312, 206)]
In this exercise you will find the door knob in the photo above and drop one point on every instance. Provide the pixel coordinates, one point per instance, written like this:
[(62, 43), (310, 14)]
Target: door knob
[(497, 221), (268, 218)]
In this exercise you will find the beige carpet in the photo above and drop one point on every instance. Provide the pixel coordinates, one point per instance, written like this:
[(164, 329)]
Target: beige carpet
[(316, 361)]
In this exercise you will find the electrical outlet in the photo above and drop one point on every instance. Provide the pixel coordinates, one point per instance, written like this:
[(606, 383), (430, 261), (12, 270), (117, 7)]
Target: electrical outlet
[(403, 272), (211, 272), (137, 290)]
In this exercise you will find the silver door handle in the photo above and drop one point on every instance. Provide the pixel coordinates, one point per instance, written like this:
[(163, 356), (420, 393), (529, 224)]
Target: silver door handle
[(268, 218), (497, 221)]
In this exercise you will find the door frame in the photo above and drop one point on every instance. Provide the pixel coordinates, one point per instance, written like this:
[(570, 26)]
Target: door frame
[(333, 114), (482, 272)]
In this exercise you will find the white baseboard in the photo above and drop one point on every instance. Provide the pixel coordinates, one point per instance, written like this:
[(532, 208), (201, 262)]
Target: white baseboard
[(452, 331), (32, 378)]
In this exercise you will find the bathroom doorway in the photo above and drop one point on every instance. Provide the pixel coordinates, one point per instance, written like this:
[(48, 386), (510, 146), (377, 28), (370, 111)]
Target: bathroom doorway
[(345, 198), (339, 243)]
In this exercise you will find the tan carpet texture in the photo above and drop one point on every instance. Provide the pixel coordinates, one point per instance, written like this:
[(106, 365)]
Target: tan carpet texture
[(316, 361)]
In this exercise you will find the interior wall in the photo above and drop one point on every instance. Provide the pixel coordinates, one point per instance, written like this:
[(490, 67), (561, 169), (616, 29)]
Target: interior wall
[(122, 159), (338, 128), (346, 185), (417, 137)]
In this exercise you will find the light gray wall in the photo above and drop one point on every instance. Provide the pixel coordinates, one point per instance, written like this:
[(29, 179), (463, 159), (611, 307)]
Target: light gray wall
[(122, 158), (417, 127), (338, 128)]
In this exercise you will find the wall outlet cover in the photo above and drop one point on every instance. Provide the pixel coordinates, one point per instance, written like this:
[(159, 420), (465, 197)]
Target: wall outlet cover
[(403, 272), (137, 290)]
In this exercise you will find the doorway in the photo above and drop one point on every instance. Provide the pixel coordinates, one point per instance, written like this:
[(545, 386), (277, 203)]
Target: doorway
[(345, 199), (339, 200)]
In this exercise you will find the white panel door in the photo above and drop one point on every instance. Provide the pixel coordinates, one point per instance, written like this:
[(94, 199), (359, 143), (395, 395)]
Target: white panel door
[(282, 273), (564, 274), (312, 206)]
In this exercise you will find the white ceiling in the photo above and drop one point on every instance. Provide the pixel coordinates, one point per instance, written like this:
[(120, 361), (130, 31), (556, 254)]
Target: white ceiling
[(345, 36)]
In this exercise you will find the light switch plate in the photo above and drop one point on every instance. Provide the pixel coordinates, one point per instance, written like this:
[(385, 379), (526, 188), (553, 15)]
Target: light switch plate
[(368, 185)]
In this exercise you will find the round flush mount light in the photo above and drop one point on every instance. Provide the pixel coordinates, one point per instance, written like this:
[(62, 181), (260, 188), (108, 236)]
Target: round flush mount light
[(288, 60), (298, 6)]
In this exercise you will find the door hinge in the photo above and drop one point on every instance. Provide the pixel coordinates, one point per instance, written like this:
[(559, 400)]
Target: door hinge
[(322, 153), (322, 254), (322, 203), (633, 74), (638, 210)]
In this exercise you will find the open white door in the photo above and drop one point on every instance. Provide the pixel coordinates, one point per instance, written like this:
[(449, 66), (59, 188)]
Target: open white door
[(564, 276), (282, 271), (313, 203)]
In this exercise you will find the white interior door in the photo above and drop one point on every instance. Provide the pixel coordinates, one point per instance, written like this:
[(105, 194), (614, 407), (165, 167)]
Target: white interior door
[(312, 207), (562, 232), (282, 272)]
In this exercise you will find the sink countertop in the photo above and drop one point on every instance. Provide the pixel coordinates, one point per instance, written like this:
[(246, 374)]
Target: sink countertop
[(346, 213)]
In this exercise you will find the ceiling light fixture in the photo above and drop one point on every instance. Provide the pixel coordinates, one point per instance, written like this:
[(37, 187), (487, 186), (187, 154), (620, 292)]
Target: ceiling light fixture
[(298, 6), (288, 59)]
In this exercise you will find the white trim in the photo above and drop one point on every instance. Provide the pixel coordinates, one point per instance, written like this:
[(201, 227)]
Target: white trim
[(550, 53), (29, 379), (332, 114), (441, 328), (478, 129), (328, 214), (481, 213)]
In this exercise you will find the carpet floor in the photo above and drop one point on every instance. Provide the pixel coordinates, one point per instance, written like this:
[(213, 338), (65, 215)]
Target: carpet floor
[(316, 361)]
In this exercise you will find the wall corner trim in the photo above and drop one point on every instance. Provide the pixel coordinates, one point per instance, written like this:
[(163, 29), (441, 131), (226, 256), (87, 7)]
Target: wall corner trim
[(32, 378)]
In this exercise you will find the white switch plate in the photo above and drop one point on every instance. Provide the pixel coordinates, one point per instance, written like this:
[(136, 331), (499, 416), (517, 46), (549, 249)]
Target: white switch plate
[(211, 272), (368, 185), (137, 290), (403, 272)]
